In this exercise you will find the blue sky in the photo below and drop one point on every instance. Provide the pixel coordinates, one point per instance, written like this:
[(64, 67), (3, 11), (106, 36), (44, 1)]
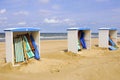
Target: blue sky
[(58, 15)]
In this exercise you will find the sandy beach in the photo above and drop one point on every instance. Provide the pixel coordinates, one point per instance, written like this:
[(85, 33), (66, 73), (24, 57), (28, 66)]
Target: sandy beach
[(58, 64)]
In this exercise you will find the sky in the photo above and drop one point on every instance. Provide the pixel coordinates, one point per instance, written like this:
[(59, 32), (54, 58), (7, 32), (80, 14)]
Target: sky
[(58, 15)]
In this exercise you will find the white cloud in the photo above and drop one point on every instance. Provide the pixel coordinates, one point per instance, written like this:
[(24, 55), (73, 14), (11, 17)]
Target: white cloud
[(102, 0), (2, 11), (69, 22), (53, 20), (60, 21), (45, 12), (21, 13), (3, 18), (22, 23), (44, 1), (56, 7), (3, 22), (116, 10)]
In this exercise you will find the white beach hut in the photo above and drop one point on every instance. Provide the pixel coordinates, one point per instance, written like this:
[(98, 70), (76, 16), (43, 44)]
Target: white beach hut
[(10, 33), (73, 38), (105, 34)]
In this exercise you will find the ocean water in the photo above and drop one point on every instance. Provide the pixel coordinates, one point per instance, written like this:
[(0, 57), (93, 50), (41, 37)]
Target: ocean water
[(52, 36), (2, 37), (59, 36)]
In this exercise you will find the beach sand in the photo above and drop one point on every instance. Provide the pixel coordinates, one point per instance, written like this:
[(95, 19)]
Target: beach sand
[(58, 64)]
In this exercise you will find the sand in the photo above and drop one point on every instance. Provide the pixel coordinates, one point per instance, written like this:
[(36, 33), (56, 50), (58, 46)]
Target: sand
[(58, 64)]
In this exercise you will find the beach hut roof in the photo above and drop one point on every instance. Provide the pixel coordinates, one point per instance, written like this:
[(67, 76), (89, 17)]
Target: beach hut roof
[(107, 28), (78, 28), (21, 29)]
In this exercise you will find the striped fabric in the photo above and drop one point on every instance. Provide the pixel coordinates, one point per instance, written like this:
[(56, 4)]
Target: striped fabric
[(19, 55), (28, 50)]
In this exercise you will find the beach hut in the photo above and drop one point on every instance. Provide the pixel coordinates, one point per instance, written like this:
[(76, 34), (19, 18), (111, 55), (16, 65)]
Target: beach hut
[(107, 36), (17, 47), (78, 38)]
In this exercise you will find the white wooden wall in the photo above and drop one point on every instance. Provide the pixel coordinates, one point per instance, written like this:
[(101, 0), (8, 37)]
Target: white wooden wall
[(72, 41), (88, 38), (9, 47), (103, 38)]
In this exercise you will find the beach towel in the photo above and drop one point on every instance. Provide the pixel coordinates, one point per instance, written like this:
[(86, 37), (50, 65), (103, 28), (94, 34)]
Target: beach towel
[(28, 50), (36, 52), (112, 48), (82, 40), (111, 42), (79, 48), (29, 41), (18, 50)]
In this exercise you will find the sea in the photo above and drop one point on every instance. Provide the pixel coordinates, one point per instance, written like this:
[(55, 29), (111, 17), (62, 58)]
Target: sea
[(52, 36)]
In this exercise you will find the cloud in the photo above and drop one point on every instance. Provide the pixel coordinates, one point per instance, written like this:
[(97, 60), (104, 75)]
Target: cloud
[(2, 11), (102, 0), (21, 13), (116, 10), (53, 21), (21, 23), (3, 18), (45, 12), (44, 1), (69, 22), (56, 7)]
